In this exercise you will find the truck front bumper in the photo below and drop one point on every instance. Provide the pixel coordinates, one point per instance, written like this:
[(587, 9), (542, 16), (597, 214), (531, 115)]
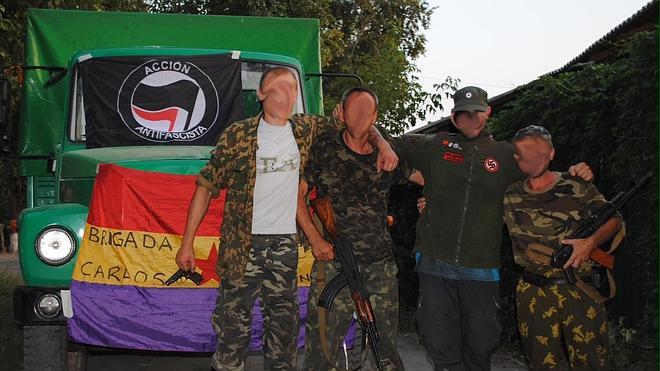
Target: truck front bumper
[(39, 305)]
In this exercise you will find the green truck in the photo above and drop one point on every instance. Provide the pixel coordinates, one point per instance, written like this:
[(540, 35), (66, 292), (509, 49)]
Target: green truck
[(61, 142)]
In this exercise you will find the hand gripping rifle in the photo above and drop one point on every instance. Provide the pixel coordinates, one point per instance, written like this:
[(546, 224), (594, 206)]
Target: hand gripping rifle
[(590, 226), (349, 276)]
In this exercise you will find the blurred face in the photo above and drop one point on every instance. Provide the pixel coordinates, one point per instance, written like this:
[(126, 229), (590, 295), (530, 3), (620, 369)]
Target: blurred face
[(533, 155), (278, 95), (470, 124), (360, 114)]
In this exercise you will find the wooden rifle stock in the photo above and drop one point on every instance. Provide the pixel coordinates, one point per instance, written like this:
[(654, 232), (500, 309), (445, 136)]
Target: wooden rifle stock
[(323, 209), (602, 258)]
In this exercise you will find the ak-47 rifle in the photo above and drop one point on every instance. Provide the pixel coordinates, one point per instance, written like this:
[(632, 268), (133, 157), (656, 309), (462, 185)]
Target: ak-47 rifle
[(349, 276), (590, 226)]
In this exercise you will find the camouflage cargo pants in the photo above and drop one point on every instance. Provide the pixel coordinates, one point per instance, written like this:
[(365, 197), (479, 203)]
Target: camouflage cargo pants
[(270, 276), (547, 314), (380, 279)]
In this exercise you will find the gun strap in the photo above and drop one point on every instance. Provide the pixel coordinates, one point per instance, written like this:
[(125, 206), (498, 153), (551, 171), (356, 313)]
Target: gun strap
[(539, 254), (590, 291), (610, 278), (323, 314), (617, 239)]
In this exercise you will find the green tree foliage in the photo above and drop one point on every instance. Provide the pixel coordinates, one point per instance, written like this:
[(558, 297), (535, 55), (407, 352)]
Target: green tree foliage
[(607, 116), (376, 39), (13, 17)]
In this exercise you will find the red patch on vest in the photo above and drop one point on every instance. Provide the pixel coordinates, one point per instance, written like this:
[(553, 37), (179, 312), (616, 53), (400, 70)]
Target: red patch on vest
[(453, 157), (491, 165), (445, 142)]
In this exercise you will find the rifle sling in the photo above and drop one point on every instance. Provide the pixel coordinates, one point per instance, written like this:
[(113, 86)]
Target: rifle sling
[(539, 254), (323, 336), (322, 213), (590, 291)]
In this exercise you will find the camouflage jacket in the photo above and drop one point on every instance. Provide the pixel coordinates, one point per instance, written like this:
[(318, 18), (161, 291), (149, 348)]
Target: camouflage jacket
[(546, 218), (233, 166), (359, 194)]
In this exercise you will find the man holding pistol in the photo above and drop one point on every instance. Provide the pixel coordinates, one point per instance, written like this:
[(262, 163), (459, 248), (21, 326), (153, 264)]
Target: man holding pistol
[(258, 161)]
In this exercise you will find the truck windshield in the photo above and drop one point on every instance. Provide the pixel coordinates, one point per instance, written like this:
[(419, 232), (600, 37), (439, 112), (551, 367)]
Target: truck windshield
[(250, 75)]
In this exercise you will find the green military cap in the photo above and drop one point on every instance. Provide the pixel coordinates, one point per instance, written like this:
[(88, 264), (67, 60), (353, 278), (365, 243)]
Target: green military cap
[(470, 98), (534, 131)]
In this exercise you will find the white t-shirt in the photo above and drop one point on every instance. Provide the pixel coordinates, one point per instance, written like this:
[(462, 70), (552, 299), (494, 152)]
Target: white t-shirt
[(276, 187)]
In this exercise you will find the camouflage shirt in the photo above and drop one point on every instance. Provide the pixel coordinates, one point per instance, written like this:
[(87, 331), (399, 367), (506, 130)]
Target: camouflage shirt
[(546, 218), (358, 194), (233, 166)]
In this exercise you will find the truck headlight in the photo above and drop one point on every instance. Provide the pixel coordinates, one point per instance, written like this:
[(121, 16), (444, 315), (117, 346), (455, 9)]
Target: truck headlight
[(48, 305), (55, 246)]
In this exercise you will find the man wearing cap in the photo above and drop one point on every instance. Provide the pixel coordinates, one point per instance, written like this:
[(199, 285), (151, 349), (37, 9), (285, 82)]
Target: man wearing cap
[(459, 232), (541, 212)]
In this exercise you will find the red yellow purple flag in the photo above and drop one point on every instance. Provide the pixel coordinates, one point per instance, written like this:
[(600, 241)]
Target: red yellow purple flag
[(134, 228)]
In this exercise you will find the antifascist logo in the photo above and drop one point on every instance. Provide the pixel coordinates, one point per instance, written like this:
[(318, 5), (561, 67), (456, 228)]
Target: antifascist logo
[(167, 100)]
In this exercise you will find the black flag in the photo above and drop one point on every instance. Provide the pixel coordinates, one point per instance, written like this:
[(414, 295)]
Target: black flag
[(164, 99)]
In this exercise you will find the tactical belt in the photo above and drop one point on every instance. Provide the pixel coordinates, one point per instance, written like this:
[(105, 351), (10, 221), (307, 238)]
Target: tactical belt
[(540, 255), (542, 281)]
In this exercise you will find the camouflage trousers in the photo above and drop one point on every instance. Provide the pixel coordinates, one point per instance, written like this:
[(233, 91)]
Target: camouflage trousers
[(381, 283), (270, 276), (548, 314)]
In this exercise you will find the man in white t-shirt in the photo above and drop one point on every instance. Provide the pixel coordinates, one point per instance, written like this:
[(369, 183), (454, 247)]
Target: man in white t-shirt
[(278, 163)]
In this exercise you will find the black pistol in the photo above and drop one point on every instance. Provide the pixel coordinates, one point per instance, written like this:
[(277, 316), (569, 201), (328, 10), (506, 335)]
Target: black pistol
[(193, 276)]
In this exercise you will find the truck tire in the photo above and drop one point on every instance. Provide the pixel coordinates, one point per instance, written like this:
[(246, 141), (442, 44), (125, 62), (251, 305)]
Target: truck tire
[(46, 348)]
